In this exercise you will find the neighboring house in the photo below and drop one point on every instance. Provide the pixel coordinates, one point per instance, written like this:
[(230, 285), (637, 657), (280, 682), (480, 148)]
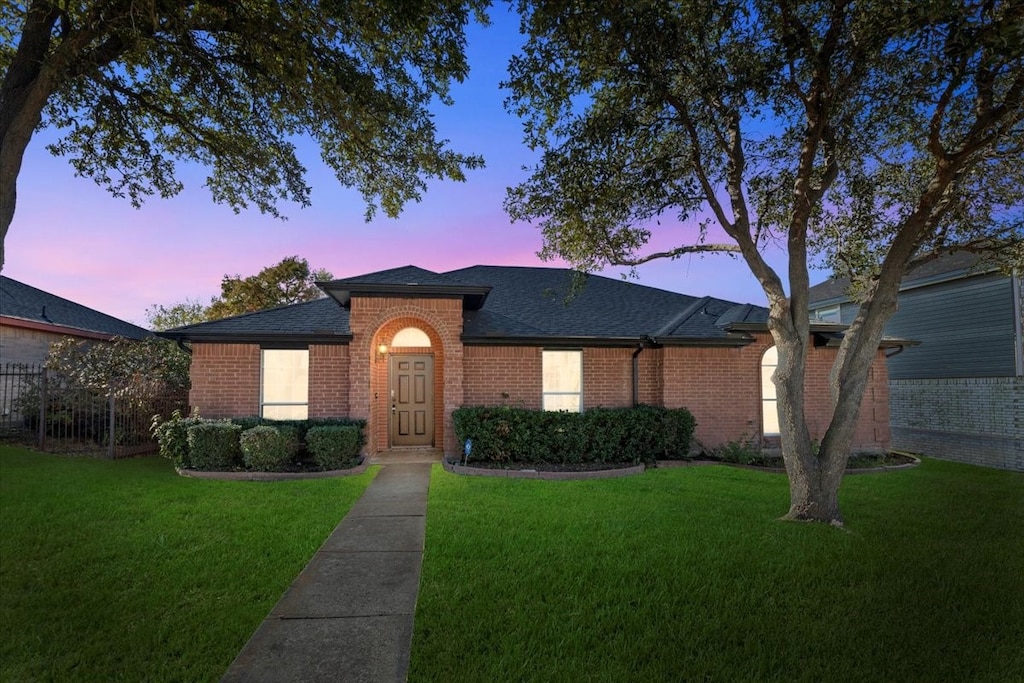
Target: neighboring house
[(403, 348), (959, 395), (31, 320)]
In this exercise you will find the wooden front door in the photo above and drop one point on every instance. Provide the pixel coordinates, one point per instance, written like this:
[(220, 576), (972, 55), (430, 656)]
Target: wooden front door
[(412, 400)]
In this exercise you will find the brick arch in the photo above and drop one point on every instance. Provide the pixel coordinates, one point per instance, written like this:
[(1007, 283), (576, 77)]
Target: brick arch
[(374, 322)]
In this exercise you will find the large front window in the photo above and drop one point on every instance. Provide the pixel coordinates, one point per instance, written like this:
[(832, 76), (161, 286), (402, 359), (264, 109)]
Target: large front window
[(563, 380), (284, 386)]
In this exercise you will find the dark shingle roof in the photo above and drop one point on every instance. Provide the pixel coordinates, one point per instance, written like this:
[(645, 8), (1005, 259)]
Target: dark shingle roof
[(323, 319), (18, 300), (510, 304), (957, 264)]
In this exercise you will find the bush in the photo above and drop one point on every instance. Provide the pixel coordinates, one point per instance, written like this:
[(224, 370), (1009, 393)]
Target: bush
[(213, 445), (334, 446), (266, 449), (740, 452), (172, 436), (598, 435), (300, 427)]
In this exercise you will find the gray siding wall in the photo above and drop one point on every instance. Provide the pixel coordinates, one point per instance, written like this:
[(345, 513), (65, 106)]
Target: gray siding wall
[(965, 326), (974, 420)]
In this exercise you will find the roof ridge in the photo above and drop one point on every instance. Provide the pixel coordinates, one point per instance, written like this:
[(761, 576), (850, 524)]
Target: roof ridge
[(685, 315)]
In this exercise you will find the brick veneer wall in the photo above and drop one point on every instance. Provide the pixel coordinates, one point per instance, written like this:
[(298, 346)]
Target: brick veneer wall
[(719, 385), (225, 379), (722, 388), (977, 420), (502, 375), (29, 347), (328, 380), (374, 321)]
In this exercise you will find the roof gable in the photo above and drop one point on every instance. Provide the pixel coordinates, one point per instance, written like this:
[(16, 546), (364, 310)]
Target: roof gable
[(407, 281)]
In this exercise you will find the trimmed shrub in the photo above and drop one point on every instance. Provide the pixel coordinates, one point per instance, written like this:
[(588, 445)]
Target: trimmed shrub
[(266, 449), (300, 427), (172, 436), (334, 447), (213, 445), (598, 435)]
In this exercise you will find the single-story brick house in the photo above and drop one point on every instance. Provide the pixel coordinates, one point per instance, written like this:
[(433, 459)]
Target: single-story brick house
[(405, 347)]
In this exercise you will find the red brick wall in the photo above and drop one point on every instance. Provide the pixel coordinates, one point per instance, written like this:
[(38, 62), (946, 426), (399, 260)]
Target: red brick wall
[(722, 388), (374, 321), (225, 379), (502, 375), (328, 380), (872, 431)]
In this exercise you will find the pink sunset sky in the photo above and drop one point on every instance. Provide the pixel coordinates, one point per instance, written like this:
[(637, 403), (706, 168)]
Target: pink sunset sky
[(71, 238)]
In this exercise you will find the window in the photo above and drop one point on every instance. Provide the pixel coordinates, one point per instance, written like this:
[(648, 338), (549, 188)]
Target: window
[(769, 402), (832, 314), (284, 384), (563, 381), (411, 337)]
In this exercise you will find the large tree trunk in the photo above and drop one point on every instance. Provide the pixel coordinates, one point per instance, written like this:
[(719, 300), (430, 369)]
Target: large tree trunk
[(23, 94), (813, 479)]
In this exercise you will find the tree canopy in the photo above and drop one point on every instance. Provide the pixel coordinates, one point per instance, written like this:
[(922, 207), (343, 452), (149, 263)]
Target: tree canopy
[(288, 282), (135, 86), (864, 136)]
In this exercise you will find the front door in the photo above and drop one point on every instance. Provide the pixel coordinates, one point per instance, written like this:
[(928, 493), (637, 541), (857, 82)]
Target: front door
[(412, 400)]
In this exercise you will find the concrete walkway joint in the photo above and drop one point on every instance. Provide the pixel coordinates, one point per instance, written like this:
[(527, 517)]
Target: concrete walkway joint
[(348, 616)]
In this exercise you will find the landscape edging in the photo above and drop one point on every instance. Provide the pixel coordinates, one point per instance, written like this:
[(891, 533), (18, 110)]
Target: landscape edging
[(465, 470), (782, 470), (274, 476)]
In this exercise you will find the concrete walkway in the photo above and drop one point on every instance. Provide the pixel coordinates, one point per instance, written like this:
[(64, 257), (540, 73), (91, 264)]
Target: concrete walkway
[(349, 614)]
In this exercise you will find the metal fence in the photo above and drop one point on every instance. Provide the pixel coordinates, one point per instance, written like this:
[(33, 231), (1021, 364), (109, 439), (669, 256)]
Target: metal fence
[(40, 408)]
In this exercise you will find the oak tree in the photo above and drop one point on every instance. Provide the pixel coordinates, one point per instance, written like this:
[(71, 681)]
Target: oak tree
[(866, 136), (288, 282), (136, 85)]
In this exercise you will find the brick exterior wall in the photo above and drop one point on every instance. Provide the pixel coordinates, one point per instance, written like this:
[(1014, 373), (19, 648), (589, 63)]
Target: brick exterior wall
[(502, 375), (374, 321), (720, 385), (328, 380), (722, 388), (25, 346), (225, 380), (977, 420)]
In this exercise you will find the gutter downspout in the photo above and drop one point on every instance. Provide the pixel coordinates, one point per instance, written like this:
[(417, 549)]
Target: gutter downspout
[(644, 341), (636, 374)]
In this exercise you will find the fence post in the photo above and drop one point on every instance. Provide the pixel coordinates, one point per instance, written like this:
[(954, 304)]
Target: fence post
[(110, 427), (42, 411)]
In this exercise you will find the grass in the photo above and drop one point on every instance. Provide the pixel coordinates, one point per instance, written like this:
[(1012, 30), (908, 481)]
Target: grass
[(685, 575), (124, 571)]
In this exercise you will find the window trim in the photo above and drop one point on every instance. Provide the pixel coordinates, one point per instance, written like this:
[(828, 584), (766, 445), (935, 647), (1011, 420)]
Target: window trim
[(544, 394), (275, 404)]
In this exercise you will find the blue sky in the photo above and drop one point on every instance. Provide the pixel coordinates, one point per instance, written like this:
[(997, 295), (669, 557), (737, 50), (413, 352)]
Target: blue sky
[(71, 238)]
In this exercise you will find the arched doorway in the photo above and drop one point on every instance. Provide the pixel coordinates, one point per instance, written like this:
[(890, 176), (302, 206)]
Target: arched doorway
[(411, 388)]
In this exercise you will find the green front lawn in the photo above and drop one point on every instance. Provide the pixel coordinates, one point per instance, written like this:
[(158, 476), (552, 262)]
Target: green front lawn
[(685, 575), (125, 571)]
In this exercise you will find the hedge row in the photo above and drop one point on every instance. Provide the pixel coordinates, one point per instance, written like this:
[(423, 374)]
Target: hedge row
[(598, 435), (259, 445)]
